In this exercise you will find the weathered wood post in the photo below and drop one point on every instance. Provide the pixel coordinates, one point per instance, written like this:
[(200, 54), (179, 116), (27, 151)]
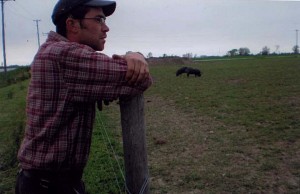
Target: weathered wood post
[(134, 144)]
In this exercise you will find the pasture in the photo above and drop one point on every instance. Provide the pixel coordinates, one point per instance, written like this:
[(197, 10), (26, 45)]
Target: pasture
[(236, 129)]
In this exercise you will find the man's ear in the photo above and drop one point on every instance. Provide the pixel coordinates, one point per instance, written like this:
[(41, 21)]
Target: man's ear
[(72, 25)]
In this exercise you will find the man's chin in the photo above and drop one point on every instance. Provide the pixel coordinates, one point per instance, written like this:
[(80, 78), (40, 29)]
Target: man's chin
[(99, 48)]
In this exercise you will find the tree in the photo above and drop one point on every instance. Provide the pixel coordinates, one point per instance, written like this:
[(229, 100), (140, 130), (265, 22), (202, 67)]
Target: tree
[(277, 51), (232, 52), (188, 55), (150, 55), (296, 49), (244, 51), (265, 50)]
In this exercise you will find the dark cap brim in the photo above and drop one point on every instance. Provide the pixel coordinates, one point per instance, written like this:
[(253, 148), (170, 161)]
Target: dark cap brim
[(108, 7)]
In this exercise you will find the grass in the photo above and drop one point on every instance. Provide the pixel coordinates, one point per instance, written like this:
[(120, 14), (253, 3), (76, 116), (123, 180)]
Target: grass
[(255, 108), (254, 93), (103, 173), (18, 75), (234, 130), (12, 106)]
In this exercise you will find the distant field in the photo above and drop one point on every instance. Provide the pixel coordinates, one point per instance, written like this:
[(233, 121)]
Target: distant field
[(234, 130)]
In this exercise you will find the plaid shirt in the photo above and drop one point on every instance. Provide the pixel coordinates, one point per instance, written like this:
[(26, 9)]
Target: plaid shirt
[(67, 80)]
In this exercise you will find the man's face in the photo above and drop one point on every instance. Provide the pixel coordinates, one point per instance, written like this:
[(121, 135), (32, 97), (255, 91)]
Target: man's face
[(93, 33)]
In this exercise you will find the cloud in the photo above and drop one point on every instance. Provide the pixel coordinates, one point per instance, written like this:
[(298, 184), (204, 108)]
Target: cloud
[(174, 27)]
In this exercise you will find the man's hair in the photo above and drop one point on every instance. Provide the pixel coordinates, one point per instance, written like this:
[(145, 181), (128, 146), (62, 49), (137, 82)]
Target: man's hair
[(77, 13)]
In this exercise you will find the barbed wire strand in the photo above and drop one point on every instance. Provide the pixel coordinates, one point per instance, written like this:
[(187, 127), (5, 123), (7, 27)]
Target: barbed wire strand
[(145, 184), (101, 124)]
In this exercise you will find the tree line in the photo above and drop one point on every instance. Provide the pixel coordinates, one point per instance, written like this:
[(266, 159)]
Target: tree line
[(243, 51)]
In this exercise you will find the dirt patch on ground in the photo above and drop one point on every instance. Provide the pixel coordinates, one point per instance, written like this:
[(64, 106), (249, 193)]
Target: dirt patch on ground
[(236, 81)]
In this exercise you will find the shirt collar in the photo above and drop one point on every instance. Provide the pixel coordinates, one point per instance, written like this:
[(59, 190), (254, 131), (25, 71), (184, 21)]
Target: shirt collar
[(53, 36)]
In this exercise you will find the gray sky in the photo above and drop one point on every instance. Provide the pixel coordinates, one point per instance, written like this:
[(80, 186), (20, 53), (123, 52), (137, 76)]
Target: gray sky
[(172, 27)]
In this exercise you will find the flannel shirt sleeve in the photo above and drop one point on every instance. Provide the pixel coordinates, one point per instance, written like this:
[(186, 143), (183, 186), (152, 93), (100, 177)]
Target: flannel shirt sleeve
[(90, 75)]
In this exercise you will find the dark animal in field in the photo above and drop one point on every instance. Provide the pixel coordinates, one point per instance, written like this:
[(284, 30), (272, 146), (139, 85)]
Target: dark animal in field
[(180, 71), (188, 71)]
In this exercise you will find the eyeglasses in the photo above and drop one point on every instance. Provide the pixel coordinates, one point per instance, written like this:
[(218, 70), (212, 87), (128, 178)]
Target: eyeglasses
[(99, 19)]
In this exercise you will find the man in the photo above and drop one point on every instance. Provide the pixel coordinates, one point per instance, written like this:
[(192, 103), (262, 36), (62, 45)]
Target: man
[(68, 78)]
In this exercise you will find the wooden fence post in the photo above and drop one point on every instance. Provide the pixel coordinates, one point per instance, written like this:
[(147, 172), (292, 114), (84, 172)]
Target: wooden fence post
[(134, 144)]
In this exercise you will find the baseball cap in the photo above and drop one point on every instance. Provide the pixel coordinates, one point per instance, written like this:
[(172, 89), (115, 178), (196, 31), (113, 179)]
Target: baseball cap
[(63, 7)]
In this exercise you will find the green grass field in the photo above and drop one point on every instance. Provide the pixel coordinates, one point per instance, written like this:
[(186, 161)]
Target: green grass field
[(257, 94), (12, 122), (253, 138), (234, 130)]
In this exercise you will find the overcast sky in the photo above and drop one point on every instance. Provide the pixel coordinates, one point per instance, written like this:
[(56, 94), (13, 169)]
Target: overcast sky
[(172, 27)]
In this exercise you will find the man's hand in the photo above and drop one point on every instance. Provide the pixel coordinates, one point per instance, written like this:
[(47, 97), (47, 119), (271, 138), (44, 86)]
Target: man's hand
[(138, 69)]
